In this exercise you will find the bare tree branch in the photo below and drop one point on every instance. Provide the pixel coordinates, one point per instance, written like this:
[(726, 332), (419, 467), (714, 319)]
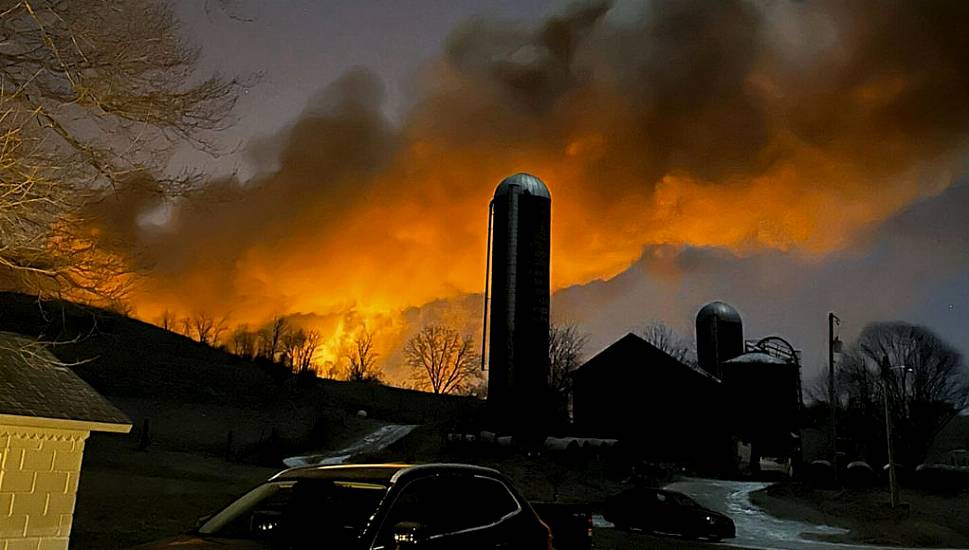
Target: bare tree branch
[(926, 387), (94, 94), (361, 359), (299, 349), (205, 328), (668, 341), (565, 352), (243, 342), (270, 338), (167, 320), (441, 360)]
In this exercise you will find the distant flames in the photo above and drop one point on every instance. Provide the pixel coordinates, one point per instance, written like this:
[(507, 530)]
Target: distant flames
[(690, 128)]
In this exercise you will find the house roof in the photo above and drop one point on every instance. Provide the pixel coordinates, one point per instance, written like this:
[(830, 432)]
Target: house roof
[(34, 384)]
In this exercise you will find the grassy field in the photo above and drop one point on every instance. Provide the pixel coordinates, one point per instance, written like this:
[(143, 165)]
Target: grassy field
[(128, 497), (933, 521)]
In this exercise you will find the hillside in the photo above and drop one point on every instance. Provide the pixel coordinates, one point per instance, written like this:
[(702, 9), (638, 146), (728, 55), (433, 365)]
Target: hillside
[(216, 424), (124, 357), (199, 398)]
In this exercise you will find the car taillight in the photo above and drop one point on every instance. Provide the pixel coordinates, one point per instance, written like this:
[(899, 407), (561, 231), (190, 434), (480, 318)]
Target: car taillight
[(589, 525)]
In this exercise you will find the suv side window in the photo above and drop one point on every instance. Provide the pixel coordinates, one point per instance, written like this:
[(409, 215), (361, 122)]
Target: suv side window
[(446, 504), (491, 501)]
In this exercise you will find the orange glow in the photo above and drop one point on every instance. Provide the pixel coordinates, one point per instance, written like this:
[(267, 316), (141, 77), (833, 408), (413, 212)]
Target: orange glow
[(713, 137), (420, 237)]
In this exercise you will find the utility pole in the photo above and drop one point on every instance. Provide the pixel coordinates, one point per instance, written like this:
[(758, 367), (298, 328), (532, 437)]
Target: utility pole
[(892, 483), (887, 368), (832, 401)]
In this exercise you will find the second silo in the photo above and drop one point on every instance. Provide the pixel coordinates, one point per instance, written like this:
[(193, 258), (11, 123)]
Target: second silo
[(719, 336), (518, 348)]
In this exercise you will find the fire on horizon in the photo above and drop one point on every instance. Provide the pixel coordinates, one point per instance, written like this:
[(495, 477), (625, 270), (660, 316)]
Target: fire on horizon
[(792, 127)]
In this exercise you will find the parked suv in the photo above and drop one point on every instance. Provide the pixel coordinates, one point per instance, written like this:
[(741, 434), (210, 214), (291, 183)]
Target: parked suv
[(374, 507)]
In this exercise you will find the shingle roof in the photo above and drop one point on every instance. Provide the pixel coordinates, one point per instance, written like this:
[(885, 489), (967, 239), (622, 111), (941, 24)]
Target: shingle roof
[(32, 383)]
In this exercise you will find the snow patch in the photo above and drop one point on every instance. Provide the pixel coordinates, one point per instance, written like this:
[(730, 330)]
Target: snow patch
[(376, 440)]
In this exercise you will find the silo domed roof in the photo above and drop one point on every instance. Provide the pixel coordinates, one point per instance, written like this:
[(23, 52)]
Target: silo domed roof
[(528, 183), (720, 310)]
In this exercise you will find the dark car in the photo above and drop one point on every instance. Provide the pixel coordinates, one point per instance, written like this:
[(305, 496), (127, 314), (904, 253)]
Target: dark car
[(374, 507), (668, 512)]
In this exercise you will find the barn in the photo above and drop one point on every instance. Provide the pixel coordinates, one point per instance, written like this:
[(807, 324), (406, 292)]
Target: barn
[(665, 409), (741, 402)]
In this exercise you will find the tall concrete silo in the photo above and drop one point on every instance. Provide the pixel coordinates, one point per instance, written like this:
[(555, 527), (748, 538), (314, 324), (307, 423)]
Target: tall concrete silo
[(519, 259), (719, 336)]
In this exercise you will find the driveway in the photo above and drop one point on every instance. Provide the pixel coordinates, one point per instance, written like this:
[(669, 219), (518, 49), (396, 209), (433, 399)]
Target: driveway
[(755, 528), (373, 441)]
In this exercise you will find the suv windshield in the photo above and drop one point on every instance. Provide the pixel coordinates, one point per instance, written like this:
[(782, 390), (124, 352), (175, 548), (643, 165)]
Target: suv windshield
[(298, 510)]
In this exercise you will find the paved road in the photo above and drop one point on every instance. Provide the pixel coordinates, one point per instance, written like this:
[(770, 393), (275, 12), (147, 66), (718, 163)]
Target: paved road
[(756, 530)]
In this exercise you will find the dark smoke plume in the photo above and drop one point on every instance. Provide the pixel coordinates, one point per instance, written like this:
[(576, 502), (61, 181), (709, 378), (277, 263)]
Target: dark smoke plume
[(757, 128)]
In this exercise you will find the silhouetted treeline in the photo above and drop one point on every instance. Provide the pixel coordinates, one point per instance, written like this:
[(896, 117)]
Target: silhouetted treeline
[(921, 377)]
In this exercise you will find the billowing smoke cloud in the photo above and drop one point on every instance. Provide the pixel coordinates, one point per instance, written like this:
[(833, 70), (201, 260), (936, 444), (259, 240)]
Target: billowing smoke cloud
[(891, 274), (763, 130)]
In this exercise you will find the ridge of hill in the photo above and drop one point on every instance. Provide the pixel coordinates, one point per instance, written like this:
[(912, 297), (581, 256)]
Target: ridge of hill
[(124, 357), (201, 398)]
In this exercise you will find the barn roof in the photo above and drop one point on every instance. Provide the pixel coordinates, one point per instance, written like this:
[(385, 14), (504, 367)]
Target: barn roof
[(632, 345), (34, 384)]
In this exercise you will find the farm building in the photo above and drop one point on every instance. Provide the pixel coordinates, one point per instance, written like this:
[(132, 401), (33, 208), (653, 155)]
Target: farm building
[(741, 395), (665, 409)]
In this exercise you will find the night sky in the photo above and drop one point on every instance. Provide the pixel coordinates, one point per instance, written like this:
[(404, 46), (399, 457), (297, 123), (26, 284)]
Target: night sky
[(296, 48), (788, 158)]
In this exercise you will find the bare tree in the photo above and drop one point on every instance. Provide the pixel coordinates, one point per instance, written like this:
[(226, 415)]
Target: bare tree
[(441, 360), (94, 94), (167, 320), (668, 341), (565, 346), (205, 328), (361, 359), (263, 345), (271, 338), (243, 342), (299, 349), (926, 384), (220, 327)]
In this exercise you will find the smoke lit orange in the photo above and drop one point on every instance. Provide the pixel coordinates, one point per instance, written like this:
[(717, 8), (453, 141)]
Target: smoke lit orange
[(646, 134)]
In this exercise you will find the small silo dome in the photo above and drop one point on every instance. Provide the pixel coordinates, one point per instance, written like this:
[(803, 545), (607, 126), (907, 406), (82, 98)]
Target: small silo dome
[(718, 310), (528, 184)]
